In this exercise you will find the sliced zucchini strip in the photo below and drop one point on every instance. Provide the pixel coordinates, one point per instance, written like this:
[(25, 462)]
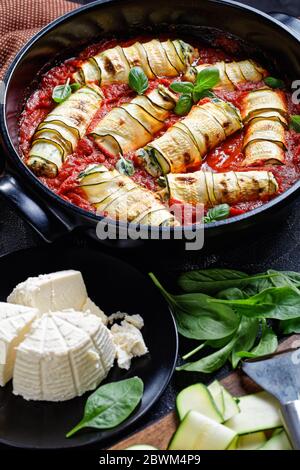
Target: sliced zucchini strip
[(212, 189), (252, 441), (278, 441), (186, 142), (265, 113), (198, 432), (231, 73), (134, 124), (157, 59), (197, 398), (121, 198), (57, 136)]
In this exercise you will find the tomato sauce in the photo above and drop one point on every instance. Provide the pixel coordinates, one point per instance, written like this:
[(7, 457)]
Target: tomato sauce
[(225, 157)]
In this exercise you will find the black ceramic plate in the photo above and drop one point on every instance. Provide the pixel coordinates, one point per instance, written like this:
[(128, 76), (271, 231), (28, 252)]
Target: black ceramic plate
[(114, 285)]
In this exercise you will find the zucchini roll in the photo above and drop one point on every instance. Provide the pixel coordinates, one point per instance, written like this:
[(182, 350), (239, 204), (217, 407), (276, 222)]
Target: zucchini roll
[(134, 124), (265, 112), (157, 59), (57, 136), (186, 142), (212, 189), (121, 198), (231, 73)]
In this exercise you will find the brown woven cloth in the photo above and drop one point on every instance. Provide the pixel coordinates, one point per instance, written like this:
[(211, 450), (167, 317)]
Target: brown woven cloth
[(21, 19)]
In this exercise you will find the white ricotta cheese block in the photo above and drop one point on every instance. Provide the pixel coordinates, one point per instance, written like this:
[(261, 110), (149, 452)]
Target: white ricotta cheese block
[(15, 322), (64, 355), (129, 343), (51, 292), (91, 307)]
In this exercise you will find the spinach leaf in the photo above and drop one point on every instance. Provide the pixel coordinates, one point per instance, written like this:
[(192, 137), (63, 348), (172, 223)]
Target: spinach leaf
[(245, 338), (125, 166), (183, 105), (211, 281), (138, 80), (216, 213), (232, 293), (281, 303), (288, 327), (110, 405), (197, 317), (284, 278), (61, 92), (274, 82), (295, 122), (210, 363), (267, 345)]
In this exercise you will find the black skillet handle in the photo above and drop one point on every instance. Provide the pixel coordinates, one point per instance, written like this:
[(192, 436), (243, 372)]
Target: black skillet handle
[(47, 224), (288, 20)]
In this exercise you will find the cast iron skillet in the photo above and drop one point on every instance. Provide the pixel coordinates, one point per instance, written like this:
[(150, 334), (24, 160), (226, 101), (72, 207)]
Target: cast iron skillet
[(50, 215)]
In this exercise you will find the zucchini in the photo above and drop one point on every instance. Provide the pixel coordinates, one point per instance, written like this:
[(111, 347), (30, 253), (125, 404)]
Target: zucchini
[(265, 130), (197, 398), (216, 391), (263, 153), (45, 158), (168, 58), (263, 100), (251, 441), (132, 125), (187, 141), (279, 441), (141, 447), (198, 432), (258, 412)]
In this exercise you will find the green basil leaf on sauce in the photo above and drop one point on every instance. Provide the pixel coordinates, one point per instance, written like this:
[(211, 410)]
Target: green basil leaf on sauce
[(110, 405), (274, 82), (199, 95), (207, 79), (75, 86), (138, 80), (125, 167), (182, 87), (61, 92), (216, 213), (295, 122), (183, 105)]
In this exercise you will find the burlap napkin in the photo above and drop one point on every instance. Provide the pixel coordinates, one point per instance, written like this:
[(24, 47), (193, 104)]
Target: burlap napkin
[(21, 19)]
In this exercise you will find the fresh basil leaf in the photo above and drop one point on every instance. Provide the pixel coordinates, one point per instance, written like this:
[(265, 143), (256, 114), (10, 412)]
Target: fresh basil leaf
[(210, 363), (138, 80), (274, 82), (199, 95), (288, 327), (207, 78), (61, 92), (110, 405), (295, 122), (267, 345), (124, 166), (281, 303), (216, 213), (197, 318), (75, 86), (245, 338), (232, 293), (182, 87), (211, 281), (183, 105)]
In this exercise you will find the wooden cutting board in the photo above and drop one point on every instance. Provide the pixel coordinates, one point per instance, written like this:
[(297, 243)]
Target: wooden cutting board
[(160, 432)]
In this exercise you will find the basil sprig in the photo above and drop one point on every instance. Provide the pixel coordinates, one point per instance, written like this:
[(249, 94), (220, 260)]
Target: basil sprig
[(193, 92), (295, 122), (125, 166), (110, 405), (138, 80), (242, 331), (273, 82), (216, 213), (61, 93)]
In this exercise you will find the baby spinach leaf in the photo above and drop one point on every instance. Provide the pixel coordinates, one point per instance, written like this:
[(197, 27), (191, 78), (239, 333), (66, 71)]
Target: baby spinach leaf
[(196, 316), (211, 281), (138, 80), (268, 343), (288, 327), (245, 338), (110, 405), (281, 303), (210, 363), (232, 293)]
